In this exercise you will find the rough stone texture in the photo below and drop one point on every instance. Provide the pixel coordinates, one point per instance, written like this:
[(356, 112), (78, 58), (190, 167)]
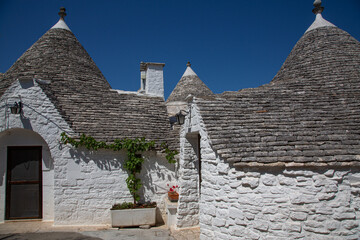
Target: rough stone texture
[(189, 84), (82, 95), (63, 91), (39, 125), (188, 206), (154, 79), (80, 186), (276, 202), (309, 113), (275, 211)]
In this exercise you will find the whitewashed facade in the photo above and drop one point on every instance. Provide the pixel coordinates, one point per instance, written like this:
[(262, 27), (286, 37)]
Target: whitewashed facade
[(79, 186), (278, 202)]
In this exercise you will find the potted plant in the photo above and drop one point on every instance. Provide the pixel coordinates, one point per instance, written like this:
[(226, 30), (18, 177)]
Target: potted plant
[(173, 195), (134, 214), (130, 215)]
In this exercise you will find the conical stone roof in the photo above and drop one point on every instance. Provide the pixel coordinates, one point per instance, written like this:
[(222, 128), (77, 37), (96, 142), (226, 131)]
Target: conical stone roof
[(322, 52), (189, 84), (309, 114), (81, 94), (59, 57)]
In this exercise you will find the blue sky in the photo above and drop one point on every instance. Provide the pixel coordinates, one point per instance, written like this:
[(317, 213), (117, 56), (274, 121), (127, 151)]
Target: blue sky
[(231, 44)]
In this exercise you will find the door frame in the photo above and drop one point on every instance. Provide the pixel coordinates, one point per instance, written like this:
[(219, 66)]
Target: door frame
[(8, 188)]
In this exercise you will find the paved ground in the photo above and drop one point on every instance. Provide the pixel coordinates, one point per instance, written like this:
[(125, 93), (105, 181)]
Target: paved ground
[(186, 234), (37, 230)]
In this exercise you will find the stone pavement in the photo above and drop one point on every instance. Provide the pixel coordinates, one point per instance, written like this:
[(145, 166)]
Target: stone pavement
[(186, 234), (31, 230)]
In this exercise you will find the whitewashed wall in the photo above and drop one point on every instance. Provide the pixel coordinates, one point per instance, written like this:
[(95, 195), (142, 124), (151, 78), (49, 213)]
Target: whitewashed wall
[(39, 125), (88, 183), (275, 203), (80, 186), (22, 137), (155, 79), (188, 205)]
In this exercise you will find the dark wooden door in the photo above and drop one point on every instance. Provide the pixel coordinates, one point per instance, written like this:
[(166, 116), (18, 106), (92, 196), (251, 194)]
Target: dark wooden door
[(24, 183)]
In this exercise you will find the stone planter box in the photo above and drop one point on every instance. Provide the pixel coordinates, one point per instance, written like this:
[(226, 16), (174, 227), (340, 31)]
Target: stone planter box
[(133, 217)]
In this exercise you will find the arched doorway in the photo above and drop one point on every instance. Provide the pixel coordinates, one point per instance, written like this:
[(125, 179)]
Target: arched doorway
[(26, 176)]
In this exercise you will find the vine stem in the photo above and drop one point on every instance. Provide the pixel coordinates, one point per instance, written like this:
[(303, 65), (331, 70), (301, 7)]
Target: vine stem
[(132, 164)]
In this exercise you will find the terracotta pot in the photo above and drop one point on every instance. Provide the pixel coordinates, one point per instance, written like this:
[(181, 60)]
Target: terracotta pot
[(173, 196)]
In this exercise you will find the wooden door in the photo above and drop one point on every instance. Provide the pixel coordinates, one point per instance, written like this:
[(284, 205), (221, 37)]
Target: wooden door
[(24, 183)]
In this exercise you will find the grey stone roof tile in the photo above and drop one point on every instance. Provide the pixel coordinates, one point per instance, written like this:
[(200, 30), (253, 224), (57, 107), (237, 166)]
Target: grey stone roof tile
[(82, 95), (189, 85), (309, 112)]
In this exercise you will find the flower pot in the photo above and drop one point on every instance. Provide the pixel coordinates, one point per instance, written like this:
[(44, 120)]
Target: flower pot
[(173, 196), (133, 217)]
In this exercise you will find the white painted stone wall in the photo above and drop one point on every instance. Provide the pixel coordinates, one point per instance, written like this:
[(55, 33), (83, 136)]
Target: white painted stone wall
[(87, 184), (155, 79), (275, 203), (23, 137), (39, 125), (80, 186), (188, 207), (279, 204)]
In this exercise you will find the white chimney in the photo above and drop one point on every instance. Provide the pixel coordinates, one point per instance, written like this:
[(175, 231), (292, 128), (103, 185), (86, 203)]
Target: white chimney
[(152, 79)]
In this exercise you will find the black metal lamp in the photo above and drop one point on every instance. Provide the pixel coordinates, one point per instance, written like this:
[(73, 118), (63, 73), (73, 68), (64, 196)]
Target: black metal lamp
[(180, 118), (16, 108)]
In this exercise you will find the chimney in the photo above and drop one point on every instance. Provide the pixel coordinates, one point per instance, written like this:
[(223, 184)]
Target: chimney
[(152, 79)]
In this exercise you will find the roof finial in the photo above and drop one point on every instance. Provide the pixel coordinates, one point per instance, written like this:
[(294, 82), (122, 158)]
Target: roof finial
[(62, 13), (317, 7), (188, 64)]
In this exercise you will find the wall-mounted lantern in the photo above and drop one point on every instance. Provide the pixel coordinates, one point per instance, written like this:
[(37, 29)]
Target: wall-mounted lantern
[(180, 118), (16, 108)]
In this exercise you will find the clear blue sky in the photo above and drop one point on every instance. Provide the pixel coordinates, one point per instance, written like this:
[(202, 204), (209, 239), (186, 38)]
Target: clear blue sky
[(231, 44)]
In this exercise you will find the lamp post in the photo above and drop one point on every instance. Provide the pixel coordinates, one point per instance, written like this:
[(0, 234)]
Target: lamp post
[(16, 108), (180, 118)]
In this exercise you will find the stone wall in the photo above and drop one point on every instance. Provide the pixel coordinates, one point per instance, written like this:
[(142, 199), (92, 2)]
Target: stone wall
[(188, 206), (279, 203), (188, 213), (155, 79), (80, 186), (274, 203), (88, 183), (39, 125)]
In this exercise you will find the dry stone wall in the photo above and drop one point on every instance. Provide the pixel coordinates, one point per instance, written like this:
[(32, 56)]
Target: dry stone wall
[(279, 203), (87, 184), (79, 186), (274, 203), (40, 124), (188, 204)]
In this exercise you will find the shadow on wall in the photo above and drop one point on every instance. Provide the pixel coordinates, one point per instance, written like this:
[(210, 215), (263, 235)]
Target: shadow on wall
[(155, 174), (105, 160)]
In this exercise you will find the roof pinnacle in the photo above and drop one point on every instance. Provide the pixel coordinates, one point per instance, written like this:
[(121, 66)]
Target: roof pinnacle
[(61, 23), (62, 13), (188, 64), (317, 7)]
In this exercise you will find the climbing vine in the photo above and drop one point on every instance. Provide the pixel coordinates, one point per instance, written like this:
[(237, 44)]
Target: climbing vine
[(133, 149)]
